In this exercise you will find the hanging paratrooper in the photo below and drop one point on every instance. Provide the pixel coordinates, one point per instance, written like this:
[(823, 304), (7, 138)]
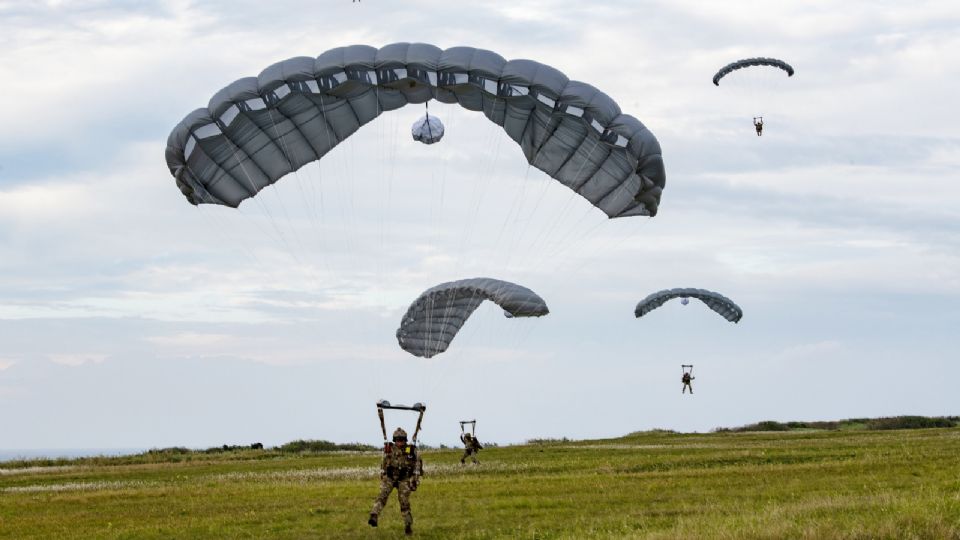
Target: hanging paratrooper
[(471, 445), (401, 468), (687, 378)]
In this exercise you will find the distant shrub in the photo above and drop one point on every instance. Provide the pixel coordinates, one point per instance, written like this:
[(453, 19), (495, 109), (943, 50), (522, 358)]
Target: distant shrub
[(548, 441), (321, 446), (912, 422), (654, 431), (895, 422), (770, 425), (175, 450)]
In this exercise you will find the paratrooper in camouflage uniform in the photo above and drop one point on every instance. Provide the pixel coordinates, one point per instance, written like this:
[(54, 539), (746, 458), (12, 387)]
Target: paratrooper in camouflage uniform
[(471, 445), (401, 469)]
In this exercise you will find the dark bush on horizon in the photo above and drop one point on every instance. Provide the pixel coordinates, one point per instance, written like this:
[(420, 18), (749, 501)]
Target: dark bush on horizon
[(322, 446), (893, 422), (912, 422), (169, 450), (548, 441)]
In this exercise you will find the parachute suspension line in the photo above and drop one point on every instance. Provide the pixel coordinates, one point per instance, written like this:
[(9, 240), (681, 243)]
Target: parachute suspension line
[(519, 238), (436, 218), (566, 239), (346, 243), (476, 196), (618, 241), (380, 208), (558, 219), (513, 213), (463, 349), (584, 235), (216, 225), (570, 242), (287, 153), (253, 189), (479, 193), (321, 207)]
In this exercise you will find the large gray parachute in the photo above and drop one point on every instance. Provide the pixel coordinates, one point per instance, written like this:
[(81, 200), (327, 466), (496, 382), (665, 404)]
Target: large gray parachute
[(434, 318), (258, 129), (748, 62), (715, 301)]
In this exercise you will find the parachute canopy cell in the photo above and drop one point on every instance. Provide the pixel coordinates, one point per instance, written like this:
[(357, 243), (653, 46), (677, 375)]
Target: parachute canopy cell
[(749, 62), (434, 318), (427, 129), (715, 301), (258, 129)]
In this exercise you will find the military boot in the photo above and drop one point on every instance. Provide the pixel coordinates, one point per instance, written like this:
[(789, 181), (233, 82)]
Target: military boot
[(373, 520), (408, 529)]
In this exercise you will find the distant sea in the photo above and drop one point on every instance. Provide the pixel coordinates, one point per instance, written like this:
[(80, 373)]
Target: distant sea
[(53, 453)]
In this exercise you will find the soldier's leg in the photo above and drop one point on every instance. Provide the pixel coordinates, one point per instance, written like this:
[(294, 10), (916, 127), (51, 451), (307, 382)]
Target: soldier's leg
[(386, 486), (466, 454), (403, 493)]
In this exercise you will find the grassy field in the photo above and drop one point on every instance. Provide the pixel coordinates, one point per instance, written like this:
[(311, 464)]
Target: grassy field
[(799, 484)]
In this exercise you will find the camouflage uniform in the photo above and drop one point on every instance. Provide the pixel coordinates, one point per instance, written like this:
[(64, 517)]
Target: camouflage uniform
[(401, 468), (686, 383), (470, 448)]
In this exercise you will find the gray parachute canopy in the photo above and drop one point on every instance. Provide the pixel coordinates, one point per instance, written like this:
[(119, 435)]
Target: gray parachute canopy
[(434, 318), (427, 129), (715, 301), (748, 62), (258, 129)]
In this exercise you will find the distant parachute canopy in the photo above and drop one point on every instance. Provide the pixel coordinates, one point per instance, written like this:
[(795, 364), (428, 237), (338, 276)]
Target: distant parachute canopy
[(434, 318), (427, 129), (749, 62), (258, 129), (715, 301)]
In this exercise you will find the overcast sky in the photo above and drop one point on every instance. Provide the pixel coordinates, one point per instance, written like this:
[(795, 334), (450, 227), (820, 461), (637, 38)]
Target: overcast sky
[(129, 318)]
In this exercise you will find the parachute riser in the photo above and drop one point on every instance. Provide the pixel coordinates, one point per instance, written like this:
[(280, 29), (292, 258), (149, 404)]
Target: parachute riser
[(418, 407)]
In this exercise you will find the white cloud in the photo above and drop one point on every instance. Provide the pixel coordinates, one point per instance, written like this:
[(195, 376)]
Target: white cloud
[(190, 339), (77, 359)]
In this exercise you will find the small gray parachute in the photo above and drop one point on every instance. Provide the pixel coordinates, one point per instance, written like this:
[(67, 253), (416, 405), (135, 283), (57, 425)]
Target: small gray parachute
[(750, 62), (715, 301), (427, 129), (434, 318)]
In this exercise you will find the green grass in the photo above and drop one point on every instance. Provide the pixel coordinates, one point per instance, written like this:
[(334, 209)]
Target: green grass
[(794, 484)]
